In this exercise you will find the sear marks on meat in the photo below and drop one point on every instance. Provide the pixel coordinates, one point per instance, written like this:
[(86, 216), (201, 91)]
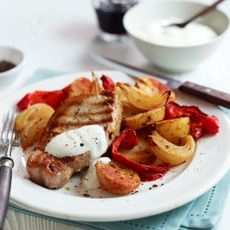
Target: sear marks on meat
[(47, 170), (104, 109)]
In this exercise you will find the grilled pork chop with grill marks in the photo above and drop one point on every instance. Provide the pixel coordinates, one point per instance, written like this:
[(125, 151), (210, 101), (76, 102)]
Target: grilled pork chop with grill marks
[(103, 109)]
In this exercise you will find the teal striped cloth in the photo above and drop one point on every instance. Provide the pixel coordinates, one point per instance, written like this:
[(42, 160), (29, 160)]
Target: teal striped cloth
[(202, 213)]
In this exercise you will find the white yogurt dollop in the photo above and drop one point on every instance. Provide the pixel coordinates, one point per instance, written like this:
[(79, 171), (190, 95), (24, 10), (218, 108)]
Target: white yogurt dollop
[(90, 180), (92, 139), (193, 34), (74, 142)]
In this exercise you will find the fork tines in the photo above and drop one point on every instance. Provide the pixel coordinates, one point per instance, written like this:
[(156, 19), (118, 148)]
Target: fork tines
[(8, 133)]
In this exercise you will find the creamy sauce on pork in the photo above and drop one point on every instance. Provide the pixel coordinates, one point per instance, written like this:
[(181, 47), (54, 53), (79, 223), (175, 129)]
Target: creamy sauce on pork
[(90, 138), (90, 180)]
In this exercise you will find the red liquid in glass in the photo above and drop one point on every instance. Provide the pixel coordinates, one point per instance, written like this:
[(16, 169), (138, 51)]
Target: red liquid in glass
[(110, 17)]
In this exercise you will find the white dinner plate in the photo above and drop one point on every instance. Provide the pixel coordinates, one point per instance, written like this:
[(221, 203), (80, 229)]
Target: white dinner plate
[(180, 185)]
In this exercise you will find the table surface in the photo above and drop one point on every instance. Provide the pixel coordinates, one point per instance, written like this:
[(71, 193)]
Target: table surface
[(60, 34)]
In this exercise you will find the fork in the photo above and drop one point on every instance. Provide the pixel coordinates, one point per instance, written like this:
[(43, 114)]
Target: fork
[(6, 163)]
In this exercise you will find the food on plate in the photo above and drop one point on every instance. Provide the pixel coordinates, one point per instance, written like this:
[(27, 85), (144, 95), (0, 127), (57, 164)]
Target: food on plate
[(150, 85), (108, 83), (171, 153), (51, 98), (50, 171), (79, 86), (142, 120), (132, 96), (40, 110), (201, 124), (31, 123), (81, 131), (117, 179), (83, 110), (173, 129), (100, 113), (55, 98), (128, 140), (141, 152)]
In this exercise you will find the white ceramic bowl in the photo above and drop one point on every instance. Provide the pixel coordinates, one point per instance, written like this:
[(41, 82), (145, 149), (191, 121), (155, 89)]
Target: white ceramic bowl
[(16, 57), (173, 59)]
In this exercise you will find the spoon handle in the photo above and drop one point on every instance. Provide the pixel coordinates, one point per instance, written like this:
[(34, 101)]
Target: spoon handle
[(202, 12)]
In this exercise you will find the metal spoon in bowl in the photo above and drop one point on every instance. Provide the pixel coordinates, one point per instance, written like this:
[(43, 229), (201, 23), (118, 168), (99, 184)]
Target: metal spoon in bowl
[(199, 14)]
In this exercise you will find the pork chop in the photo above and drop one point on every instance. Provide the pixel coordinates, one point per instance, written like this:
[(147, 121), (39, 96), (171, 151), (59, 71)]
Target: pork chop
[(104, 109)]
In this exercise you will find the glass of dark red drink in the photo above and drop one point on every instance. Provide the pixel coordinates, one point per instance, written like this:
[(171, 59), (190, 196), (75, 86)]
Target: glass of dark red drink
[(110, 15)]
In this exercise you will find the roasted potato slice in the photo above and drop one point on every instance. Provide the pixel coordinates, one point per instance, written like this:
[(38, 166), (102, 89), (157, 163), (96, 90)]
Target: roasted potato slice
[(117, 179), (133, 97), (31, 123), (40, 110), (170, 153), (142, 120), (174, 129), (32, 132)]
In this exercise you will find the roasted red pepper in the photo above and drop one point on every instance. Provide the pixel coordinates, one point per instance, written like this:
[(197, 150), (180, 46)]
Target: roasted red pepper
[(128, 139), (201, 124), (108, 83), (52, 98)]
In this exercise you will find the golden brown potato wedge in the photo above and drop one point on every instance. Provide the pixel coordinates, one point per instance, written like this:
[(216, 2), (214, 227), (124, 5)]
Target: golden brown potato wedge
[(170, 153), (142, 120), (133, 97), (117, 179), (174, 129), (40, 110), (31, 123), (32, 132)]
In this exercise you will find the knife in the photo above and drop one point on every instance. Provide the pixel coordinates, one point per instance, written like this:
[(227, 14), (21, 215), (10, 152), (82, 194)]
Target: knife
[(211, 95)]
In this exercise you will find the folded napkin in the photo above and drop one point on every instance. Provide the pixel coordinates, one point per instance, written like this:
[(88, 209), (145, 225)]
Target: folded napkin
[(202, 213)]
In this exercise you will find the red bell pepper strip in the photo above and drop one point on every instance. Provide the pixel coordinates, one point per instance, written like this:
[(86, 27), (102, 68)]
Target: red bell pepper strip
[(128, 139), (52, 98), (108, 83), (201, 124)]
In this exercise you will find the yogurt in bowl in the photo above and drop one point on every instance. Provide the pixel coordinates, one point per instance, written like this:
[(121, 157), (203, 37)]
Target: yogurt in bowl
[(169, 48), (159, 32)]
